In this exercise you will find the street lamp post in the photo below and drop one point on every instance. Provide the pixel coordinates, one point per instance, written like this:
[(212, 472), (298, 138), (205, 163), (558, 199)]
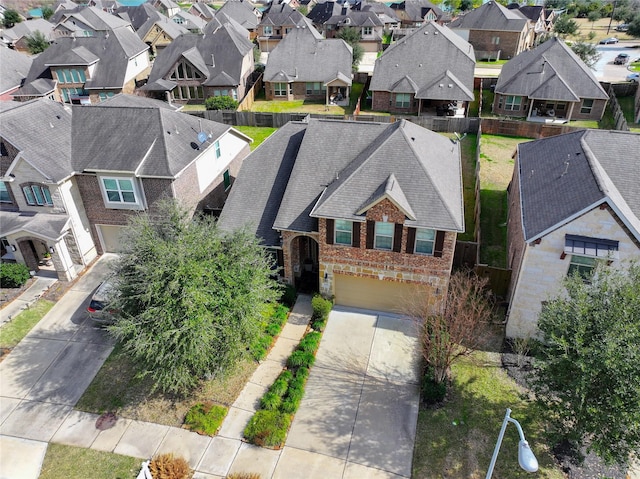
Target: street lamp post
[(526, 459)]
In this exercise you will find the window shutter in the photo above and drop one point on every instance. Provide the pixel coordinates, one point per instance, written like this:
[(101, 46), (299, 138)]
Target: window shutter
[(439, 246), (397, 238), (411, 240), (371, 231), (355, 237), (330, 229)]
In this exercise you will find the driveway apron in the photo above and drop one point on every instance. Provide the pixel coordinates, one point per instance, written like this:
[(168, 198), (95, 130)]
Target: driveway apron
[(360, 408)]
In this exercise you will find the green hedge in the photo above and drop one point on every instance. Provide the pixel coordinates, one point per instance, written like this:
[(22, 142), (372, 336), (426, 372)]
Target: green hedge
[(13, 275), (268, 428), (321, 309), (275, 315)]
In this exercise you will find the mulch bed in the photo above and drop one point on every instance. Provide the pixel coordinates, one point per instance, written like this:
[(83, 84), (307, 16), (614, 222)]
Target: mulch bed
[(520, 369)]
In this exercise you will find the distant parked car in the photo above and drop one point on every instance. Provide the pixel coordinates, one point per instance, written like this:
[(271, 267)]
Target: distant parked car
[(621, 59), (98, 303), (623, 27), (633, 77), (608, 41)]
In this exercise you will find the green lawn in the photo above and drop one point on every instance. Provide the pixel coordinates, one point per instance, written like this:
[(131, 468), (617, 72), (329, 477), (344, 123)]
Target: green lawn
[(68, 462), (469, 151), (13, 332), (257, 133), (627, 104), (496, 169), (457, 439)]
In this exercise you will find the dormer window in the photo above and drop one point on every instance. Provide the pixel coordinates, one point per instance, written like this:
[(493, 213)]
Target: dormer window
[(37, 195)]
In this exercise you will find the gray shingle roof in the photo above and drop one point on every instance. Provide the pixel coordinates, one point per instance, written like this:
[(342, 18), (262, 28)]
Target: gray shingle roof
[(190, 21), (356, 19), (328, 168), (95, 18), (171, 28), (41, 224), (323, 11), (242, 12), (28, 27), (426, 63), (135, 101), (304, 55), (286, 17), (549, 71), (258, 190), (145, 141), (113, 52), (491, 16), (563, 175), (218, 56), (41, 129), (14, 67)]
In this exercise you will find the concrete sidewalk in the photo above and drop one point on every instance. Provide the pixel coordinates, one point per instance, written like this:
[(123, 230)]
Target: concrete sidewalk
[(26, 299)]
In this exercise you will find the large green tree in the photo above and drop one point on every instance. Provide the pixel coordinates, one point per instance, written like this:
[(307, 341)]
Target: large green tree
[(565, 26), (351, 35), (11, 17), (187, 296), (37, 42), (588, 379), (587, 52)]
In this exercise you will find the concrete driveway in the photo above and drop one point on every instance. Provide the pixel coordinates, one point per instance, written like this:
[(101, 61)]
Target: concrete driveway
[(46, 373), (359, 413)]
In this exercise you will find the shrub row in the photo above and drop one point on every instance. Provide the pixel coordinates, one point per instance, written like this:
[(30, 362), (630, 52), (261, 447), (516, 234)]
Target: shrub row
[(13, 275), (269, 426), (274, 318)]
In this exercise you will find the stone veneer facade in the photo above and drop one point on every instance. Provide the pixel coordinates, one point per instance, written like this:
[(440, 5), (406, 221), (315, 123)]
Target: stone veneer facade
[(430, 271)]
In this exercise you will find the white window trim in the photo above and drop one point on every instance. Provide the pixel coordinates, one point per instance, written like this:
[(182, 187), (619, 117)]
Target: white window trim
[(137, 192), (336, 231)]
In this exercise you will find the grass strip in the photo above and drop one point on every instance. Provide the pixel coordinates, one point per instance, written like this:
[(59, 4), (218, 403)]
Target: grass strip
[(68, 462), (13, 332)]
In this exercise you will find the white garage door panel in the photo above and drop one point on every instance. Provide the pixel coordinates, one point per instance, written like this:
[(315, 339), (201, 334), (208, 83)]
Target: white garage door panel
[(110, 237), (369, 293)]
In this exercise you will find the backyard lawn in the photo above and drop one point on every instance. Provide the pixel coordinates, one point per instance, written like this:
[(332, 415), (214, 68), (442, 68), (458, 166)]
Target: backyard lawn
[(469, 151), (257, 133), (457, 439), (496, 169)]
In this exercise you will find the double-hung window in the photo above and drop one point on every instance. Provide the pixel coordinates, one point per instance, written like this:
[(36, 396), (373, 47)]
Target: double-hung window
[(216, 146), (587, 106), (267, 30), (403, 100), (5, 197), (513, 103), (280, 89), (425, 240), (343, 232), (367, 31), (37, 195), (119, 190), (383, 236)]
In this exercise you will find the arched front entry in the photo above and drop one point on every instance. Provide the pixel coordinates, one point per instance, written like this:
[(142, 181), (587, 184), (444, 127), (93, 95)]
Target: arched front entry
[(301, 263)]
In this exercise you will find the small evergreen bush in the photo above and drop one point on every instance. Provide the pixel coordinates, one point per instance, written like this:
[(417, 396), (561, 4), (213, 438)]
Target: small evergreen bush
[(13, 275), (310, 342), (205, 418), (321, 307), (270, 401), (289, 296), (281, 384), (273, 329), (432, 392), (220, 103), (268, 428), (301, 358)]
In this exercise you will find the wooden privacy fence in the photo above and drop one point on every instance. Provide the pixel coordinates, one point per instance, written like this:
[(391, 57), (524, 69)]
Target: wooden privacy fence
[(499, 278), (465, 254), (620, 123)]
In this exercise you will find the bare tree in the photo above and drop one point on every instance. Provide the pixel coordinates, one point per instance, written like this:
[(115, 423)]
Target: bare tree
[(458, 329)]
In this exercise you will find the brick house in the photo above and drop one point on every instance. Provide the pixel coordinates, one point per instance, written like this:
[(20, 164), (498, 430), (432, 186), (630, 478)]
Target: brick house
[(367, 23), (194, 67), (276, 25), (573, 202), (71, 178), (415, 13), (365, 212), (16, 36), (428, 72), (242, 12), (495, 32), (547, 83), (88, 70), (307, 66)]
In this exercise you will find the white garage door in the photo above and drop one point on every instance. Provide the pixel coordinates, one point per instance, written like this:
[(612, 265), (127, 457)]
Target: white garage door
[(110, 238), (369, 293)]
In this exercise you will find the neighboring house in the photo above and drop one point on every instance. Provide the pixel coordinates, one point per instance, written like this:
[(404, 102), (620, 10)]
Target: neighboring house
[(40, 208), (202, 10), (365, 212), (535, 13), (60, 5), (166, 7), (87, 22), (193, 23), (323, 11), (109, 6), (549, 82), (277, 24), (156, 30), (574, 202), (305, 65), (370, 27), (86, 170), (385, 13), (242, 12), (495, 31), (14, 67), (16, 37), (415, 13), (427, 72), (88, 69), (195, 67)]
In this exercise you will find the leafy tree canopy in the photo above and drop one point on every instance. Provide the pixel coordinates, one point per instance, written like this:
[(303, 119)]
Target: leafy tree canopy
[(220, 103), (11, 17), (588, 379), (587, 52), (187, 296), (634, 26), (37, 42), (565, 26), (47, 12), (351, 35)]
